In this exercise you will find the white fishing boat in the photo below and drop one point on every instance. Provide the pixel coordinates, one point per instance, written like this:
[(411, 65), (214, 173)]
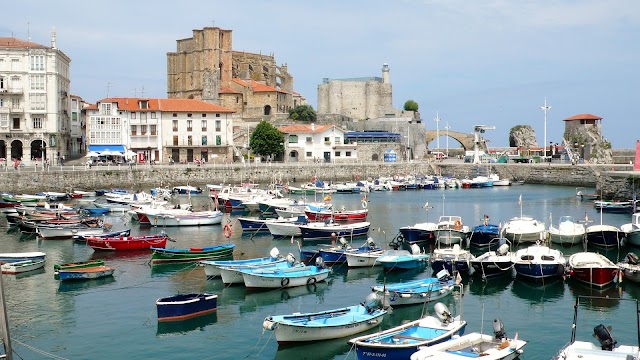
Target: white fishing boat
[(450, 230), (568, 232), (23, 266), (284, 278), (632, 230), (524, 229), (185, 218)]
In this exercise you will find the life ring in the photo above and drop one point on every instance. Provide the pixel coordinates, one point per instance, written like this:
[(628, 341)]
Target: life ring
[(364, 204), (284, 282), (311, 280), (226, 230), (457, 225)]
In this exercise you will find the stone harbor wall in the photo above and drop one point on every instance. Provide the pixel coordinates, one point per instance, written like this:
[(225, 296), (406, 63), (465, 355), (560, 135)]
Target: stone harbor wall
[(617, 181)]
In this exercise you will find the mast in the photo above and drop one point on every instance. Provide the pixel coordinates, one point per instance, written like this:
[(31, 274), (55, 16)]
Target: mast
[(4, 325)]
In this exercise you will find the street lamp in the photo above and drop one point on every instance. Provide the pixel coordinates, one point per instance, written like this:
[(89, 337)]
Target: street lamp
[(544, 143), (437, 120), (447, 128)]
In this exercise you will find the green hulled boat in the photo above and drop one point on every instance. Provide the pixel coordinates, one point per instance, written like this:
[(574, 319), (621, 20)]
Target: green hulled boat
[(76, 265), (216, 252)]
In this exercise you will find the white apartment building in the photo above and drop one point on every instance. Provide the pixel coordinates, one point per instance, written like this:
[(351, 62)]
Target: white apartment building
[(144, 129), (34, 100), (313, 143), (77, 129)]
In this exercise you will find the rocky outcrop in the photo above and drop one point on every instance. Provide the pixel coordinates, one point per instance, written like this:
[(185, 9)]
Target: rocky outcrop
[(596, 149), (522, 136)]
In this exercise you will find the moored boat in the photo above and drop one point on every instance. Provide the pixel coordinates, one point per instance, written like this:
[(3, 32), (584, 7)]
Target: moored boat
[(630, 267), (454, 259), (632, 230), (285, 277), (94, 272), (216, 252), (524, 229), (493, 263), (539, 262), (324, 230), (403, 259), (186, 306), (325, 325), (568, 232), (416, 291), (76, 265), (592, 268), (23, 266), (212, 267), (121, 243), (13, 257), (450, 230)]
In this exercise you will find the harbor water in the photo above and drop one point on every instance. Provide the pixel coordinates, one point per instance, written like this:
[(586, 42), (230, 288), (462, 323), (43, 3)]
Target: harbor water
[(115, 318)]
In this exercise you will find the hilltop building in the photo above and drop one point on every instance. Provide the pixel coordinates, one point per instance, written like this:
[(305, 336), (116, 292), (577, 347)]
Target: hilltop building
[(34, 100), (156, 130), (583, 135), (205, 67)]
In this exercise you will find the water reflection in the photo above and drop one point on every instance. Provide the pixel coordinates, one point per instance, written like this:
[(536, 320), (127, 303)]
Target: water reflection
[(603, 297), (315, 350), (254, 300), (68, 286), (491, 286), (357, 273), (184, 326), (538, 292), (29, 273)]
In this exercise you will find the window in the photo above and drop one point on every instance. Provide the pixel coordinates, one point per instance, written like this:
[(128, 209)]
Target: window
[(175, 114), (37, 101), (144, 104), (133, 115), (154, 130), (16, 124), (4, 120), (143, 129), (105, 109), (143, 116), (153, 114), (293, 139), (327, 140), (134, 129), (190, 140), (204, 115), (37, 122), (218, 125), (175, 140), (309, 154), (336, 140), (204, 140), (309, 140), (204, 125), (37, 62), (189, 115), (37, 82), (218, 140), (189, 125), (347, 153), (217, 115), (336, 154), (175, 125)]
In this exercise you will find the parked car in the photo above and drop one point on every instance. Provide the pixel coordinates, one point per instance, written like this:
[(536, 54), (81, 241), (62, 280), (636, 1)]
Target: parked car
[(439, 155)]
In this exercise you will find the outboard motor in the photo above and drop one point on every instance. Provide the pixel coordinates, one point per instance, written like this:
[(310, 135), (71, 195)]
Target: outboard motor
[(603, 334), (415, 249), (443, 275), (498, 329), (443, 313), (371, 243), (372, 302), (275, 253), (291, 259), (320, 263), (632, 258), (503, 250), (343, 242)]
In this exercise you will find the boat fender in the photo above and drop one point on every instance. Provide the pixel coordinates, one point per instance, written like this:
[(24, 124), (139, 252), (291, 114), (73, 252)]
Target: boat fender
[(226, 230), (406, 296), (364, 204), (457, 225), (311, 280), (269, 325), (284, 282)]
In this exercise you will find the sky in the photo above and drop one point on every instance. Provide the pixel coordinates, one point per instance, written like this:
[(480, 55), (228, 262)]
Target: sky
[(490, 62)]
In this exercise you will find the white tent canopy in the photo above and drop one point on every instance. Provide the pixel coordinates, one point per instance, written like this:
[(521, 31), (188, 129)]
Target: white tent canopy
[(92, 154)]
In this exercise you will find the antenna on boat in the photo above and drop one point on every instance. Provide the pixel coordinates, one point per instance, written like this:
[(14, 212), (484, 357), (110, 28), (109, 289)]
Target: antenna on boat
[(442, 204)]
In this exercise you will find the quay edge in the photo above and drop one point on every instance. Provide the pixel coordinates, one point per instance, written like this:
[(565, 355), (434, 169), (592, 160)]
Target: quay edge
[(613, 181)]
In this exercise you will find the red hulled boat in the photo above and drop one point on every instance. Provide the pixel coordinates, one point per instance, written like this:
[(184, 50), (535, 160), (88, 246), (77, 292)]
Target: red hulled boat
[(592, 268), (339, 215), (128, 242)]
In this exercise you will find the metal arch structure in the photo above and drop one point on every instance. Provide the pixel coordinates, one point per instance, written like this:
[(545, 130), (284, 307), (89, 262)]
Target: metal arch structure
[(466, 140)]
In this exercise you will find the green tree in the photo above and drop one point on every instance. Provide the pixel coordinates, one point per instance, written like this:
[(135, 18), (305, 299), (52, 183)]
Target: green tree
[(266, 140), (411, 105), (302, 113)]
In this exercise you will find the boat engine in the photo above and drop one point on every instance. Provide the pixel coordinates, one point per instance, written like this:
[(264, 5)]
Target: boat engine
[(415, 249), (291, 259), (498, 329), (443, 275), (274, 253), (632, 258), (372, 302), (371, 243), (503, 250), (443, 313), (344, 243), (603, 334), (320, 263)]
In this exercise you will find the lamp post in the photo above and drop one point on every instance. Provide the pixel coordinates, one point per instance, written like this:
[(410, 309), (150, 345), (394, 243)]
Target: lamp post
[(437, 120), (545, 108), (447, 128)]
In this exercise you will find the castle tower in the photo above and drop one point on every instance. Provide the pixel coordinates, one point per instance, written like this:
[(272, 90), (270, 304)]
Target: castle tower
[(385, 73)]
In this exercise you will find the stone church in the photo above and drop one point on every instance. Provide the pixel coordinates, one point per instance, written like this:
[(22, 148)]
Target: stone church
[(206, 67)]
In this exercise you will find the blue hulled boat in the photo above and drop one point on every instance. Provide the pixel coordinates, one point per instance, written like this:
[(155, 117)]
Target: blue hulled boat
[(403, 259), (539, 262), (401, 341), (185, 306), (481, 235), (416, 291), (337, 254), (328, 230)]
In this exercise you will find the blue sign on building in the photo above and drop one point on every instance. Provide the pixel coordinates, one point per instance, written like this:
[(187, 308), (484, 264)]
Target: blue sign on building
[(389, 155)]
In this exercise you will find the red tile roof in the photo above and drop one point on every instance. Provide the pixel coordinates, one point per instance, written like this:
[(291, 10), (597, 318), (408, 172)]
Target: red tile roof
[(257, 87), (226, 90), (177, 105), (297, 129), (13, 43), (583, 117)]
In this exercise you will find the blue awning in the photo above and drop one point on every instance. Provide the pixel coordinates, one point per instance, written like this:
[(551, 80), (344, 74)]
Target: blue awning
[(101, 148)]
